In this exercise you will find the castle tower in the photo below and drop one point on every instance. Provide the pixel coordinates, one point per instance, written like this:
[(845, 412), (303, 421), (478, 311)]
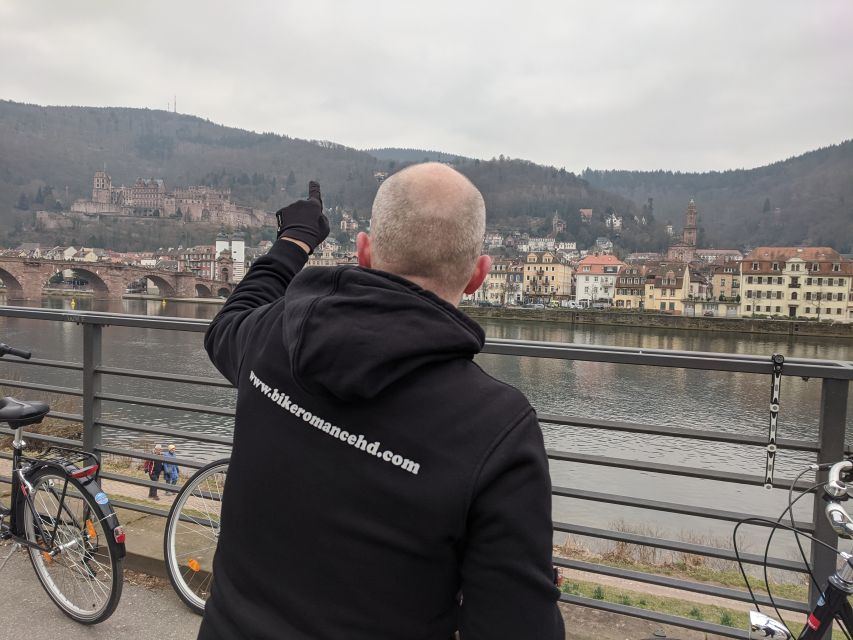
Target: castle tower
[(690, 225), (102, 187)]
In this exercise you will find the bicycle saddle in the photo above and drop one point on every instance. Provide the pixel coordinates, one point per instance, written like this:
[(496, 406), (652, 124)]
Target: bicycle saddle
[(19, 413)]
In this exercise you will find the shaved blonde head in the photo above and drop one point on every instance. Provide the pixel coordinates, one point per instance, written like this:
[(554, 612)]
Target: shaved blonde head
[(428, 223)]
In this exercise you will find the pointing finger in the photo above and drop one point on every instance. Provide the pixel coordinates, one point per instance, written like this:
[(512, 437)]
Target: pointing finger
[(314, 190)]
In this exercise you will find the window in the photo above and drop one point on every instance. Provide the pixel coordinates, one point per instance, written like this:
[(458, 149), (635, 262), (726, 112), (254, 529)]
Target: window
[(775, 266), (808, 281), (778, 309), (672, 306), (808, 309), (755, 266), (767, 309), (838, 311), (663, 306), (722, 282), (759, 280), (749, 293), (836, 266), (749, 279), (808, 295), (815, 267), (820, 282), (748, 308), (793, 295)]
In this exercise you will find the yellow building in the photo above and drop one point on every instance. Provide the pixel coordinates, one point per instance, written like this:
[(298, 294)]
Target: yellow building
[(725, 281), (667, 287), (547, 278)]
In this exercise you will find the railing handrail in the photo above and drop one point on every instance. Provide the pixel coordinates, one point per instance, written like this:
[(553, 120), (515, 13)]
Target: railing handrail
[(744, 363)]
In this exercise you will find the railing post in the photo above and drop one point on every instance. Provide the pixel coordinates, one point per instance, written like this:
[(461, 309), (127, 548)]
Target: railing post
[(831, 432), (91, 387)]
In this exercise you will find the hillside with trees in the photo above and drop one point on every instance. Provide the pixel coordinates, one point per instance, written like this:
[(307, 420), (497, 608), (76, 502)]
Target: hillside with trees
[(48, 156), (807, 199)]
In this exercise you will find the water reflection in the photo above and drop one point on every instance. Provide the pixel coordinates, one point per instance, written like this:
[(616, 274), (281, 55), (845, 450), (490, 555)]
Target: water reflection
[(730, 402)]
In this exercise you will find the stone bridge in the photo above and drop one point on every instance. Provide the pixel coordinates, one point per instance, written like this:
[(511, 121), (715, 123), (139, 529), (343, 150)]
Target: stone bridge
[(25, 278)]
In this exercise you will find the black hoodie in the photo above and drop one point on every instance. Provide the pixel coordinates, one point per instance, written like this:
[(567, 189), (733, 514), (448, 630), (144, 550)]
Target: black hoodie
[(377, 472)]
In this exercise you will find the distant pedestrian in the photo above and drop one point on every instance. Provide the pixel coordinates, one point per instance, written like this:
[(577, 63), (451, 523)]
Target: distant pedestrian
[(154, 468), (170, 470)]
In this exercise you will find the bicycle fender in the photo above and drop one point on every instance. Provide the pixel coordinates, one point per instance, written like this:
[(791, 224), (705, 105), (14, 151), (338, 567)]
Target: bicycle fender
[(105, 512)]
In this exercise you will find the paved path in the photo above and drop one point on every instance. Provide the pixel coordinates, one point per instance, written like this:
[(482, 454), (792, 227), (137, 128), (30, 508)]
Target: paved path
[(146, 611)]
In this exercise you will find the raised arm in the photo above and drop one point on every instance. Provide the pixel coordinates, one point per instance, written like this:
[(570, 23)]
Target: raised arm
[(301, 227), (508, 586)]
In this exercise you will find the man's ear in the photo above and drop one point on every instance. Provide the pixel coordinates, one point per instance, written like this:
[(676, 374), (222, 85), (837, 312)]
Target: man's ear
[(362, 249), (481, 270)]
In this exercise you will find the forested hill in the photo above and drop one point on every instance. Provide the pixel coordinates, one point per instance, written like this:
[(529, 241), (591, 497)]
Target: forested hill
[(405, 156), (806, 199), (64, 146)]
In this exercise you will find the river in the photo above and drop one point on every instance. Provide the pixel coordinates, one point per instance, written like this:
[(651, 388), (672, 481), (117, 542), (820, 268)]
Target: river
[(697, 399)]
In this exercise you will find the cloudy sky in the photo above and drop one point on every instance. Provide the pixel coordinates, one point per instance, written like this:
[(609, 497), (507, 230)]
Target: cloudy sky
[(676, 84)]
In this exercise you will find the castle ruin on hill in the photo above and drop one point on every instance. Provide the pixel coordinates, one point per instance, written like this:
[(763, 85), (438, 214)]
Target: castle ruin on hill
[(149, 198)]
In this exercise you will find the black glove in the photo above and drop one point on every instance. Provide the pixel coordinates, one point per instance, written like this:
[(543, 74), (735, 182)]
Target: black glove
[(304, 219)]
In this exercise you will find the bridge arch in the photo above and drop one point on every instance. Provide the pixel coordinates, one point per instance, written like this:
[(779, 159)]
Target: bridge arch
[(14, 289), (164, 286), (223, 292), (97, 283), (202, 291)]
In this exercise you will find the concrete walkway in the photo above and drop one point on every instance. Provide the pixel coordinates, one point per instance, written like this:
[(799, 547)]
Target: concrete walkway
[(148, 609)]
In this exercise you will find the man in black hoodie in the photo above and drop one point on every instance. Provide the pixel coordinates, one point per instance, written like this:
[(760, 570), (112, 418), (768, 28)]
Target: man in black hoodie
[(377, 472)]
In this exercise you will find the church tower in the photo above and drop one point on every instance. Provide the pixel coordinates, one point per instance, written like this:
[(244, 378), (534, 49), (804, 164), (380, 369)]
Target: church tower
[(690, 225)]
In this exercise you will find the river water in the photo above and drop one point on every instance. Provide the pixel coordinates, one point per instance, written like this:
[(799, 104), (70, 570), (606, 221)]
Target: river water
[(696, 399)]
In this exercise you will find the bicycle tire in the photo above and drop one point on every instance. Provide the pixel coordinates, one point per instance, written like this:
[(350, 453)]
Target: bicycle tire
[(193, 524), (90, 555)]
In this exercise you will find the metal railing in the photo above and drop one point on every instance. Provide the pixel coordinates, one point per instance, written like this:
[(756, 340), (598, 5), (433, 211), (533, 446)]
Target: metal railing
[(835, 377)]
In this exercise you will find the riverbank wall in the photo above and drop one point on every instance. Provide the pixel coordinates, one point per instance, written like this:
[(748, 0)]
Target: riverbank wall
[(664, 321)]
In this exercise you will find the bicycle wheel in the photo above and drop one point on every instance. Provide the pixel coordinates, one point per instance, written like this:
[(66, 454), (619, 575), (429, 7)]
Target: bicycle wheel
[(192, 531), (76, 561)]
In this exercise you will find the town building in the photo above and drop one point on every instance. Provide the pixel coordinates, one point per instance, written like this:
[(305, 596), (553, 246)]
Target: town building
[(613, 221), (630, 287), (718, 255), (547, 278), (796, 282), (586, 215), (595, 279), (603, 245), (541, 244), (725, 282), (667, 287)]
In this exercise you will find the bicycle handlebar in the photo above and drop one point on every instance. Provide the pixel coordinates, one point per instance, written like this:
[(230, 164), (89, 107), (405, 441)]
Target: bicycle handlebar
[(5, 349)]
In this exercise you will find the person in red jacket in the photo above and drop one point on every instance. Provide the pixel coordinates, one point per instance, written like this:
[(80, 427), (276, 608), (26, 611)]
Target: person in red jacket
[(377, 471)]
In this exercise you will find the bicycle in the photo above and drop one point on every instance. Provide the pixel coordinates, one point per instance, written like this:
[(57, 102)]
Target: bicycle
[(833, 604), (192, 532), (60, 515)]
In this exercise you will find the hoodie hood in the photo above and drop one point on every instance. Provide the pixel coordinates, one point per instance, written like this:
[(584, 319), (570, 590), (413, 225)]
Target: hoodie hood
[(351, 332)]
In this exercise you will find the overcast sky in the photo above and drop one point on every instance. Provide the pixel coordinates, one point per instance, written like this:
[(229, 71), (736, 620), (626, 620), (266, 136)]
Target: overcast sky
[(689, 85)]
